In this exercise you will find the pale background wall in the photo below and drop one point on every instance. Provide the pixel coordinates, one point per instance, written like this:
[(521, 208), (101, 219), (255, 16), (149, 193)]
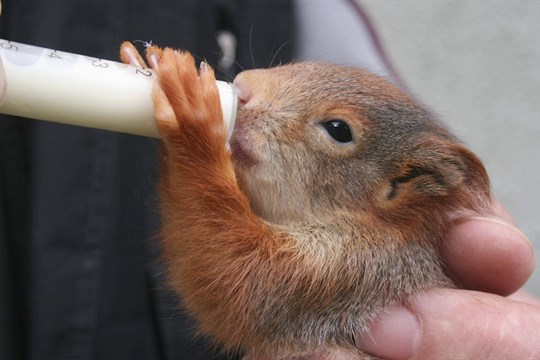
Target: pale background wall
[(475, 63)]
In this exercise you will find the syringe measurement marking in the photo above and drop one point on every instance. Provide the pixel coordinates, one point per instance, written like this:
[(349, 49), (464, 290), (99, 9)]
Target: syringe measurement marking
[(100, 63), (53, 54), (11, 46), (146, 73)]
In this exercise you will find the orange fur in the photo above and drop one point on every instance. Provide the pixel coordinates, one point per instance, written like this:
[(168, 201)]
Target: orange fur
[(290, 247)]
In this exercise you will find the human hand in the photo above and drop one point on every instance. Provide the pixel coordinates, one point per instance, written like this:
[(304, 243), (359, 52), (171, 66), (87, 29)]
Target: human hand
[(491, 258)]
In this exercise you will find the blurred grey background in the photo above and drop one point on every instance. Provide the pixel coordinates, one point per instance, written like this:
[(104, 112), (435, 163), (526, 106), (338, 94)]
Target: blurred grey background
[(474, 63)]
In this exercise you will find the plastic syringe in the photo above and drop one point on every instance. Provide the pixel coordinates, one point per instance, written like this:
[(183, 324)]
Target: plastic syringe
[(45, 84)]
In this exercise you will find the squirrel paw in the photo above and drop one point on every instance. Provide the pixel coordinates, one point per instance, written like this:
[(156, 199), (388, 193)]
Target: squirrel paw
[(186, 100), (191, 95)]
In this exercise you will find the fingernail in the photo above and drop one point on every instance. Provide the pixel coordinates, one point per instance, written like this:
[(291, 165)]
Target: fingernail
[(497, 221), (203, 66), (392, 335), (154, 61)]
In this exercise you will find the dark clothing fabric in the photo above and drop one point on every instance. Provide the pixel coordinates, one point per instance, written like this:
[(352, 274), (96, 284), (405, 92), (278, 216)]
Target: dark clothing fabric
[(79, 269)]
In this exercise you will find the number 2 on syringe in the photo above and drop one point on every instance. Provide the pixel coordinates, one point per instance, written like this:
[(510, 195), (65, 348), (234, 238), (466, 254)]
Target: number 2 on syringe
[(54, 55), (146, 73)]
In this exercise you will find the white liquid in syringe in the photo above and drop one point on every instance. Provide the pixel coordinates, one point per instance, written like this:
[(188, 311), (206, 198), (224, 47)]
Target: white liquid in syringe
[(67, 88)]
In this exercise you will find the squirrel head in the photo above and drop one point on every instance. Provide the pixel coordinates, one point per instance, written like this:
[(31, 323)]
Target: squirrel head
[(313, 140)]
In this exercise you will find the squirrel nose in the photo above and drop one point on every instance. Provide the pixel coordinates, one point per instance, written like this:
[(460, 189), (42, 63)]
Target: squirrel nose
[(243, 89)]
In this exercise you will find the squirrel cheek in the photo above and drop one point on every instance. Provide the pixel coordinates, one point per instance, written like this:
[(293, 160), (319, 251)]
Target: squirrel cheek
[(241, 156), (241, 146)]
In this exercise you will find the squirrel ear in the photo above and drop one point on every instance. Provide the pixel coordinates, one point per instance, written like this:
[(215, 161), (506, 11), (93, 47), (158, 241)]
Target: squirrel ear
[(439, 168)]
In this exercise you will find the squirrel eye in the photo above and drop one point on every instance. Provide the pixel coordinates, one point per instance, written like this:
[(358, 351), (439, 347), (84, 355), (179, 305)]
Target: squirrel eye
[(338, 130)]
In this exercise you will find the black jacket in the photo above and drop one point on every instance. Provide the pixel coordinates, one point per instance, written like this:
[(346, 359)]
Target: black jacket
[(79, 275)]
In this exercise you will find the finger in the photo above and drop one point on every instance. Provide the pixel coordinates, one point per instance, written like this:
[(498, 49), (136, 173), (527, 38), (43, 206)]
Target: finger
[(524, 296), (488, 254), (130, 55), (171, 84), (153, 56), (210, 93), (457, 324), (501, 212), (164, 113), (187, 71)]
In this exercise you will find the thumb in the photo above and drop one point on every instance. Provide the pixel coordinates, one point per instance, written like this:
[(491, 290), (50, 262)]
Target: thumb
[(456, 324)]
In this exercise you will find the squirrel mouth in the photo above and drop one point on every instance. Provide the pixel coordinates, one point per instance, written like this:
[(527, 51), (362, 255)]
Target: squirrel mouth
[(240, 154), (241, 142)]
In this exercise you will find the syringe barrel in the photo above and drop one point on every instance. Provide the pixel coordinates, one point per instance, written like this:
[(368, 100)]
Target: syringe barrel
[(46, 84)]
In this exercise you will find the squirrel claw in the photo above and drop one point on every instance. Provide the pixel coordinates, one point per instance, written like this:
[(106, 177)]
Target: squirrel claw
[(130, 55)]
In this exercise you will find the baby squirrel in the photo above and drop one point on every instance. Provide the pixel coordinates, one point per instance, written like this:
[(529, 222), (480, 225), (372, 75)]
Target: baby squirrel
[(328, 206)]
